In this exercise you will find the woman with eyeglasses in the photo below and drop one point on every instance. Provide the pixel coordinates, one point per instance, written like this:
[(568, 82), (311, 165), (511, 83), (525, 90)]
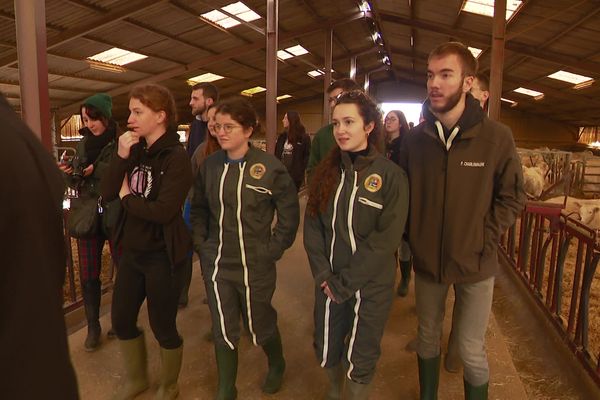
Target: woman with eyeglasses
[(236, 194), (396, 129), (355, 216), (151, 174)]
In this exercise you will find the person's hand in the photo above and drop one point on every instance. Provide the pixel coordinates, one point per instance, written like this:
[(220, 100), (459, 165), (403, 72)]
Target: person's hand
[(327, 291), (87, 171), (127, 140), (124, 188), (66, 168)]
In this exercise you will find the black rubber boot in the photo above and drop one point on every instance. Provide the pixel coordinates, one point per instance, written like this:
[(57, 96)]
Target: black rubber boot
[(476, 392), (274, 352), (405, 267), (357, 391), (91, 302), (336, 382), (429, 377), (227, 362)]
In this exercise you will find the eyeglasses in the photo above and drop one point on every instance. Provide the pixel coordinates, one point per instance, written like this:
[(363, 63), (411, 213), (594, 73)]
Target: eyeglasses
[(228, 128)]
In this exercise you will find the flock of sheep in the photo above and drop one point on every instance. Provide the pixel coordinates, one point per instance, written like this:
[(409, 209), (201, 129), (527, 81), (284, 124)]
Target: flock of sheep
[(550, 175)]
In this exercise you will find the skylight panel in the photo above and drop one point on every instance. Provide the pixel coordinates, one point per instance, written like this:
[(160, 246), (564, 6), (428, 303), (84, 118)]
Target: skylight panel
[(569, 77), (283, 55), (117, 56), (252, 91), (533, 93), (283, 97), (297, 50), (475, 51), (207, 77), (315, 72), (486, 7), (238, 9)]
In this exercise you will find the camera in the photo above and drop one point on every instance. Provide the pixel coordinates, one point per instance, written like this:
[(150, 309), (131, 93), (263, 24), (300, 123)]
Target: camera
[(79, 164)]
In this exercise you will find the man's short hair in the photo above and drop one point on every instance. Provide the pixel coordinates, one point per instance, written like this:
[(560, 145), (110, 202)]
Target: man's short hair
[(209, 91), (484, 81), (468, 61), (346, 84)]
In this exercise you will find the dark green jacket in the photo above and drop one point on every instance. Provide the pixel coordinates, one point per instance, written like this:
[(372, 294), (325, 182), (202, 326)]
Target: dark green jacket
[(373, 195), (321, 144), (462, 198), (232, 212)]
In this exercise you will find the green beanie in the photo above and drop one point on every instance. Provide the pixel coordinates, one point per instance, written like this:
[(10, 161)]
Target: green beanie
[(102, 102)]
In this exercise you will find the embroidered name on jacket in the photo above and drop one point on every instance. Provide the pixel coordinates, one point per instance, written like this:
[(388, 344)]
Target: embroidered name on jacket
[(141, 181), (473, 164)]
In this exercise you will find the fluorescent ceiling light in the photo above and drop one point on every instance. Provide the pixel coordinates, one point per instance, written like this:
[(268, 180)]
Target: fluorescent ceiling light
[(283, 97), (117, 56), (290, 52), (508, 100), (364, 6), (252, 91), (207, 77), (529, 92), (569, 77), (486, 7), (315, 72), (475, 51), (238, 9)]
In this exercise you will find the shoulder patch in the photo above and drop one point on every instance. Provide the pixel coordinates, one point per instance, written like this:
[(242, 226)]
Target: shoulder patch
[(257, 171), (373, 183)]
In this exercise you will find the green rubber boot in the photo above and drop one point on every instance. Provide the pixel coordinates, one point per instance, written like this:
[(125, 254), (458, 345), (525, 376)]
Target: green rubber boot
[(476, 392), (170, 365), (429, 377), (136, 368), (336, 382), (274, 352), (357, 391), (227, 363)]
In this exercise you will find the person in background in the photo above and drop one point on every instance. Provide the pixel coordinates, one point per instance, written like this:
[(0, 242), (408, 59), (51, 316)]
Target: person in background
[(355, 216), (481, 90), (204, 96), (323, 141), (473, 161), (293, 147), (210, 144), (236, 193), (396, 129), (151, 174), (92, 156)]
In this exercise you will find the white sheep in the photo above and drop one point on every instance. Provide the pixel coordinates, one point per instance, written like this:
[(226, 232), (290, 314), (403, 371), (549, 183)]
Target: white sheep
[(590, 214), (533, 181)]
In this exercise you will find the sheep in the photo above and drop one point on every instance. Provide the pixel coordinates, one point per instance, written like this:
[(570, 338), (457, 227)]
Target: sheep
[(590, 214), (533, 181)]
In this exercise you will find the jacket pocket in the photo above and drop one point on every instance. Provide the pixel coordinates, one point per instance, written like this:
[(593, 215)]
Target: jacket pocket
[(367, 202), (259, 189)]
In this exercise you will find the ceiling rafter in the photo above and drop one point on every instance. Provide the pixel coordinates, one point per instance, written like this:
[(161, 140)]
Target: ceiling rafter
[(476, 38), (375, 12), (230, 53)]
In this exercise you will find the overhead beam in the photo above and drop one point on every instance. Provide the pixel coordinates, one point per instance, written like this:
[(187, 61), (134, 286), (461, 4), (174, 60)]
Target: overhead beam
[(481, 39), (227, 54)]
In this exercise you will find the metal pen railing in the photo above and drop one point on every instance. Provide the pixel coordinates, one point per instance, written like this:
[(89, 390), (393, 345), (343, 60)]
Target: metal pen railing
[(556, 257)]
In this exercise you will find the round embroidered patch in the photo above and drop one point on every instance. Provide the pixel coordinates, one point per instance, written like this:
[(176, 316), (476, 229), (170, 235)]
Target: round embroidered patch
[(257, 171), (373, 183)]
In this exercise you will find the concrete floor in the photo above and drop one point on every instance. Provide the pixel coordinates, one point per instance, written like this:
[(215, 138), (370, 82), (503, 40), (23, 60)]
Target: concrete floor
[(396, 378)]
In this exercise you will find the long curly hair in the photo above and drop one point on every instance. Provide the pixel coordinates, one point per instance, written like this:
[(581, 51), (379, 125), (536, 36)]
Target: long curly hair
[(326, 175), (212, 144)]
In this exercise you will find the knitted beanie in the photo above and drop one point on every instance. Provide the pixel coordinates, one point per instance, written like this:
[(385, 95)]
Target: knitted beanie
[(102, 102)]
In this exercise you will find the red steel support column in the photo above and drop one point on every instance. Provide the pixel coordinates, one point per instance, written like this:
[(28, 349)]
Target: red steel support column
[(271, 71), (327, 77), (30, 21), (497, 66)]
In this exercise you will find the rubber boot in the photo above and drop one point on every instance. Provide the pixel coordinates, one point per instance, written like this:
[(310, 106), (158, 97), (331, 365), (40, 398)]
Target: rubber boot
[(429, 377), (274, 352), (136, 368), (170, 365), (476, 392), (336, 382), (227, 362), (405, 268), (357, 391), (91, 302), (186, 278)]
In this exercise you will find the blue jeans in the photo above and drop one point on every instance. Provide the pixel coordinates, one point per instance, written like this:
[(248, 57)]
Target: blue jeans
[(473, 306)]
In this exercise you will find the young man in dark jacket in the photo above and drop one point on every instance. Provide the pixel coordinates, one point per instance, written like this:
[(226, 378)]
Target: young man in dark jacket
[(466, 190)]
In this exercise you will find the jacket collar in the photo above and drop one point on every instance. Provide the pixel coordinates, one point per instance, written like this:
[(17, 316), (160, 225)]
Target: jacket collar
[(361, 162), (471, 116)]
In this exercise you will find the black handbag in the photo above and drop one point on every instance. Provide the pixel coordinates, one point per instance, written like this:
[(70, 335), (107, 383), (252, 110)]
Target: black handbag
[(83, 220)]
